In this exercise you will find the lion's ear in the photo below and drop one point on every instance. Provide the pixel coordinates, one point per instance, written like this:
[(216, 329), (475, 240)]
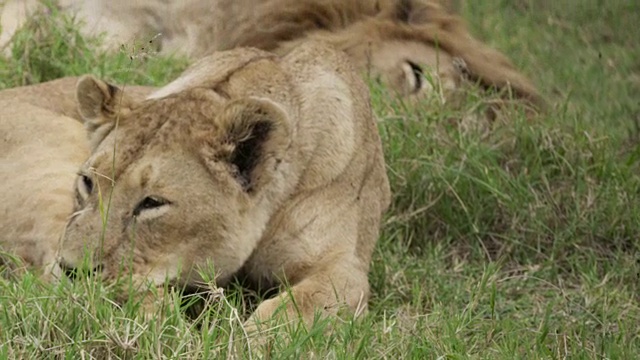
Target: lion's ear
[(403, 10), (100, 104), (255, 136), (415, 12)]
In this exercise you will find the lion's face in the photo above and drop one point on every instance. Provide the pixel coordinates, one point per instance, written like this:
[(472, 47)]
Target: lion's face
[(173, 188), (407, 68), (413, 47)]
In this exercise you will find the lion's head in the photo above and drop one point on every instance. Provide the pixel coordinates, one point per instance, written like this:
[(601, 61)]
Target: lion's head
[(410, 45), (177, 184)]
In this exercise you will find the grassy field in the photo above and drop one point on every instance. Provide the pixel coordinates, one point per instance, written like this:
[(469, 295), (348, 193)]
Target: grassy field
[(516, 240)]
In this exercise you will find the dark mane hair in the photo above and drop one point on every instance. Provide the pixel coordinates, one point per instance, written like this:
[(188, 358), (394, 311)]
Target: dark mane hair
[(278, 22)]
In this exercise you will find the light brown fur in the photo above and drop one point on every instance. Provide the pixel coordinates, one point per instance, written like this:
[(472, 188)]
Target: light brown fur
[(41, 151), (43, 144), (404, 43), (270, 167)]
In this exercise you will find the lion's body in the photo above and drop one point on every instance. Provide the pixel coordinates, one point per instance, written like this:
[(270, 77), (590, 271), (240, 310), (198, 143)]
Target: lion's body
[(40, 151), (43, 145), (412, 46), (266, 166)]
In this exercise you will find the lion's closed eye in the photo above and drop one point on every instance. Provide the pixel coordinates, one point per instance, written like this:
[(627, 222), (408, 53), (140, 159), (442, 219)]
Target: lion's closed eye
[(84, 186), (414, 75), (151, 207)]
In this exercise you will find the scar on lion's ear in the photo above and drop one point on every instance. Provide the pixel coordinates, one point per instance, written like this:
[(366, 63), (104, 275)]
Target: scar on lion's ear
[(256, 133), (99, 105)]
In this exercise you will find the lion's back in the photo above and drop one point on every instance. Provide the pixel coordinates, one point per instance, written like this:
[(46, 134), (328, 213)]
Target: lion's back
[(41, 151)]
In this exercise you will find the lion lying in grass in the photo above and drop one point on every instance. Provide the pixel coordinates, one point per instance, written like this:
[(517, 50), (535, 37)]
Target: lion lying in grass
[(43, 145), (270, 167), (36, 196), (414, 47)]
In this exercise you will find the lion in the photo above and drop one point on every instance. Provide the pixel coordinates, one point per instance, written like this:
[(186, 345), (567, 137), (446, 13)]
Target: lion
[(44, 143), (265, 167), (37, 194), (413, 47)]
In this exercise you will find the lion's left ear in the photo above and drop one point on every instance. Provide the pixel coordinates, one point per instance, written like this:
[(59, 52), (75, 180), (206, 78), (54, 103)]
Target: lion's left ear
[(403, 10), (415, 12), (255, 136), (100, 104)]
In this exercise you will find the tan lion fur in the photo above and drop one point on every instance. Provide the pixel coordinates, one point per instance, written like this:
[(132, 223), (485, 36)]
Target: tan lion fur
[(41, 151), (383, 37), (43, 145), (263, 166)]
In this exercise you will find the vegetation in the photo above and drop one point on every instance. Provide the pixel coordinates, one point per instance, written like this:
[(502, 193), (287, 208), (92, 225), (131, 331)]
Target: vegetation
[(518, 238)]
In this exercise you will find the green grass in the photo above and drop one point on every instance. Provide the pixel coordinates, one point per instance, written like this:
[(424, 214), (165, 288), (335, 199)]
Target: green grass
[(517, 239)]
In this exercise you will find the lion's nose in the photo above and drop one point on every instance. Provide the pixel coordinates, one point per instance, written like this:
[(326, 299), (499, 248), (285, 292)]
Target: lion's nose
[(73, 272)]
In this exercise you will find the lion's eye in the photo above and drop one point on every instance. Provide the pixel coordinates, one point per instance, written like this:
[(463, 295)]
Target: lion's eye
[(418, 75), (149, 203), (88, 183), (84, 188)]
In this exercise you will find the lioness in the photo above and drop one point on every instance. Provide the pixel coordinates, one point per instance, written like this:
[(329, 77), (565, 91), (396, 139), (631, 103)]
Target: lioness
[(43, 144), (40, 151), (412, 46), (266, 166)]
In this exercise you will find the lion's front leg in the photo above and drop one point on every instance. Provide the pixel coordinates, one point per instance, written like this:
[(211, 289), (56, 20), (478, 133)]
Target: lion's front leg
[(323, 293)]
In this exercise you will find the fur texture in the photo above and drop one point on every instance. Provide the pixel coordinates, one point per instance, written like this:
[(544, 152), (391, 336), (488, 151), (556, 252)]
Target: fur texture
[(36, 190)]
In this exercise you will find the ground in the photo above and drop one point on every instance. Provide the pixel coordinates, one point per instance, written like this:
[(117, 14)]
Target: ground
[(518, 240)]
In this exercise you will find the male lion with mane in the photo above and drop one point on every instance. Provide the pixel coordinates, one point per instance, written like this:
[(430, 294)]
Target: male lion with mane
[(262, 166), (414, 47)]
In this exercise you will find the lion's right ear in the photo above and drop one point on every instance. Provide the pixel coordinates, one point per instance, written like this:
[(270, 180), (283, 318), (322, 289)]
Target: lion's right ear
[(100, 105), (255, 135)]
